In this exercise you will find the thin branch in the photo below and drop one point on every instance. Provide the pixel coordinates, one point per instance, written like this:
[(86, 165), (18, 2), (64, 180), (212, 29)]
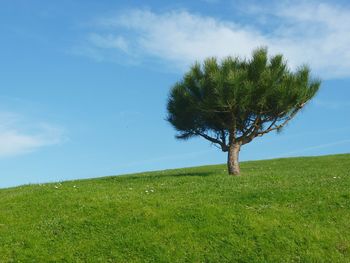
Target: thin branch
[(272, 126), (277, 127), (223, 137), (287, 119), (213, 140), (254, 126)]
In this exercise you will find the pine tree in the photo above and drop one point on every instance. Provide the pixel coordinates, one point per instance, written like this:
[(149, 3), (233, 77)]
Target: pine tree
[(234, 101)]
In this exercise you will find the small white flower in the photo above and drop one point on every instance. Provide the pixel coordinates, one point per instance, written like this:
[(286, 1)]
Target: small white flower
[(146, 191), (152, 190), (334, 177)]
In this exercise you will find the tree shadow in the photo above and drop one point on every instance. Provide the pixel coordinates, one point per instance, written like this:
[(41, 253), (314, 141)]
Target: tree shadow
[(165, 174), (186, 174)]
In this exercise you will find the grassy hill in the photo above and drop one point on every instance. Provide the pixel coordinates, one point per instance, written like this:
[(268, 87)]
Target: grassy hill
[(284, 210)]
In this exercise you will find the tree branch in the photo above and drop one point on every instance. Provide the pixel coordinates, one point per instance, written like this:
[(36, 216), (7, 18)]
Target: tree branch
[(222, 144), (277, 127), (255, 132), (254, 126)]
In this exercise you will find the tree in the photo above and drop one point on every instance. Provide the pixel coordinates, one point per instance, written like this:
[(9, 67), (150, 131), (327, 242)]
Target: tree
[(232, 102)]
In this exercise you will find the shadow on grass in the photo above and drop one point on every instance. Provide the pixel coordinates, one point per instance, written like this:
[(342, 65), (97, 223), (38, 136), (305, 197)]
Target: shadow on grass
[(184, 174), (166, 174)]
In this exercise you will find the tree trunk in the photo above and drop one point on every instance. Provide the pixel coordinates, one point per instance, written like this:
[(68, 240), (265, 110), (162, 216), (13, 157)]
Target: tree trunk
[(232, 160)]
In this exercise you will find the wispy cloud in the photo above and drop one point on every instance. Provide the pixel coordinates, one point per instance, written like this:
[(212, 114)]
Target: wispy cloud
[(332, 104), (17, 137), (174, 157), (108, 41), (317, 147), (313, 33), (212, 1)]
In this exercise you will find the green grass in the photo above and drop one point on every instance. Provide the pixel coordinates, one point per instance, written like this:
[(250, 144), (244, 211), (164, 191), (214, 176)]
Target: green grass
[(284, 210)]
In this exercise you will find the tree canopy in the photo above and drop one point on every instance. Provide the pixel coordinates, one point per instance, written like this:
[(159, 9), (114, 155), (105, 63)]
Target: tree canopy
[(232, 101)]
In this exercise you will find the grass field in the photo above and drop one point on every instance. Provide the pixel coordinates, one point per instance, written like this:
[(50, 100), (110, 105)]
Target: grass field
[(283, 210)]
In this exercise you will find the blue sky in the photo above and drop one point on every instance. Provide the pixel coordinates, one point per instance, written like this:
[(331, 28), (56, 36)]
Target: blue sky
[(83, 84)]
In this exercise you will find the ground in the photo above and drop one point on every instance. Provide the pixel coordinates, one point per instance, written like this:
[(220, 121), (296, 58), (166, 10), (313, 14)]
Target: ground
[(283, 210)]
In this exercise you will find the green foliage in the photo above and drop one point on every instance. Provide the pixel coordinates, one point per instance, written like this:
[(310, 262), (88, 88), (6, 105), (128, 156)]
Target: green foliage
[(286, 210), (238, 98)]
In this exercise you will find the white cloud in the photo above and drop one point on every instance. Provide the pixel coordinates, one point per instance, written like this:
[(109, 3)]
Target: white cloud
[(181, 37), (315, 33), (16, 137), (312, 33)]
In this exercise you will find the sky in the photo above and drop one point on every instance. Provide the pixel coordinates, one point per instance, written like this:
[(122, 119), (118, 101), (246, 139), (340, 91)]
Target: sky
[(84, 84)]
